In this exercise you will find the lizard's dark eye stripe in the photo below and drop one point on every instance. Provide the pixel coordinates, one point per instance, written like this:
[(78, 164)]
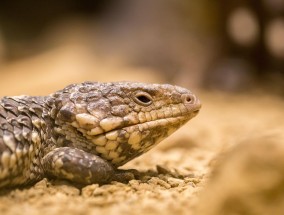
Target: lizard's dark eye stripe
[(143, 98)]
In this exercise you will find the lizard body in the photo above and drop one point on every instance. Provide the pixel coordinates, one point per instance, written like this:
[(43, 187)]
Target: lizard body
[(84, 132)]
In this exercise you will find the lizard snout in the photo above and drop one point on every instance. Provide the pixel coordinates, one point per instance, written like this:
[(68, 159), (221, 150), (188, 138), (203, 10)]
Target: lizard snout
[(191, 102)]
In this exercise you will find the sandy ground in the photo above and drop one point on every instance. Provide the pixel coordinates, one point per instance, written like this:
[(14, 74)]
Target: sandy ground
[(176, 176)]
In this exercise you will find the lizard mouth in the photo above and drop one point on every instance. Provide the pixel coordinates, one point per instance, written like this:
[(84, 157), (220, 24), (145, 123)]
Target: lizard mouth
[(119, 140), (162, 122), (124, 143)]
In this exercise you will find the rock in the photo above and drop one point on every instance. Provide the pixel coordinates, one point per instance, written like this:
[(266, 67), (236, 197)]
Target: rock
[(247, 180)]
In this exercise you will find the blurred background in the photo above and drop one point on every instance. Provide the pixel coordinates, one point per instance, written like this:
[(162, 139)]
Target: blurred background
[(231, 46)]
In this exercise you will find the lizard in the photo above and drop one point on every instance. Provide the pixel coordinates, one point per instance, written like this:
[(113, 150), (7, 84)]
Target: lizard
[(86, 131)]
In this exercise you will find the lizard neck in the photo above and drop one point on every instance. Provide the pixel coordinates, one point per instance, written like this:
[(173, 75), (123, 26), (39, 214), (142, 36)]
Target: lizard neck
[(59, 133)]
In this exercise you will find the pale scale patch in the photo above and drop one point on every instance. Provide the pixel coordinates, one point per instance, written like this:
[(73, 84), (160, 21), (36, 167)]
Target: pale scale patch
[(20, 97), (86, 120), (161, 114), (119, 150), (35, 137), (4, 173), (13, 160), (154, 114), (105, 156), (175, 110), (32, 176), (134, 138), (31, 149), (19, 153), (75, 124), (163, 122), (42, 122), (152, 124), (80, 107), (136, 146), (25, 133), (58, 163), (137, 109), (5, 158), (113, 155), (18, 136), (112, 135), (102, 150), (37, 123), (25, 150), (108, 124), (9, 141), (95, 131), (167, 111), (36, 161), (148, 116), (111, 145), (142, 117), (88, 178), (31, 167), (36, 169), (125, 134), (130, 129), (118, 160), (132, 117), (173, 120), (143, 127), (58, 130), (100, 140), (182, 108), (21, 108)]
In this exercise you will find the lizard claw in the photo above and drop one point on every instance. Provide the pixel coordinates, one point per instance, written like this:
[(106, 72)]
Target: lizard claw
[(125, 175)]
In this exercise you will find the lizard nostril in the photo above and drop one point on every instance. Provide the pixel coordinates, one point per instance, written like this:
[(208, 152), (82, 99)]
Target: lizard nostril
[(188, 98)]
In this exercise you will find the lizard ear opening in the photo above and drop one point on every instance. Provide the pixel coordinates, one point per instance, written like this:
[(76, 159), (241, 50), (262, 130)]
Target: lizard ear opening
[(143, 98)]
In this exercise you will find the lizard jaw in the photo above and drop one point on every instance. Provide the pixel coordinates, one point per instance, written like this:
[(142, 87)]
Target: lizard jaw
[(123, 144)]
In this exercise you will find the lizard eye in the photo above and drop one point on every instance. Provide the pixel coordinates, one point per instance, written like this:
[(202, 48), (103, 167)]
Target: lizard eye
[(143, 98)]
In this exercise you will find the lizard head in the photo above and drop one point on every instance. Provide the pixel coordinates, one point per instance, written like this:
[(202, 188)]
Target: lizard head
[(121, 120)]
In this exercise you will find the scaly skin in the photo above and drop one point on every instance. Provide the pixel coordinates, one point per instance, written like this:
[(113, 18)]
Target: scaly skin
[(84, 132)]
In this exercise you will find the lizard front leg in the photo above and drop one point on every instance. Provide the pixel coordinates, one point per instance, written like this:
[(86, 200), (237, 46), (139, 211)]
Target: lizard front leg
[(81, 167)]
